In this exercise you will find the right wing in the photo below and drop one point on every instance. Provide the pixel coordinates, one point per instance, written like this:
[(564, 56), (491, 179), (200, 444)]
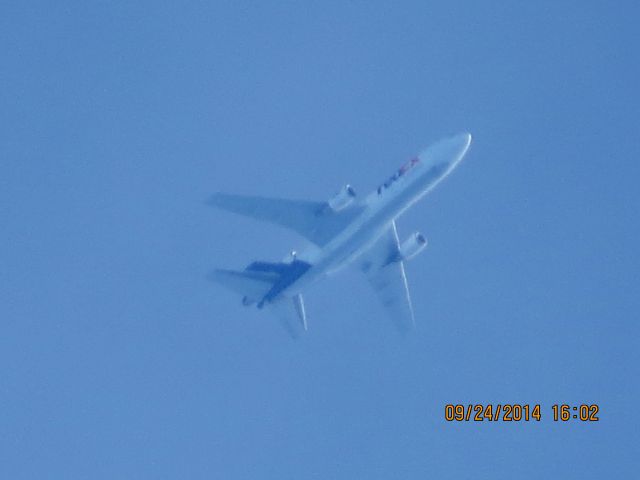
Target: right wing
[(312, 220), (387, 277)]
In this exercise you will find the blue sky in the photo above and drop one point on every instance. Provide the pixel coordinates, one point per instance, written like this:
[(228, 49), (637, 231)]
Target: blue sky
[(119, 118)]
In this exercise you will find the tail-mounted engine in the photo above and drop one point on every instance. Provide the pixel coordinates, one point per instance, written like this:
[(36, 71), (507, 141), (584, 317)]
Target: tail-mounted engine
[(412, 246), (342, 199)]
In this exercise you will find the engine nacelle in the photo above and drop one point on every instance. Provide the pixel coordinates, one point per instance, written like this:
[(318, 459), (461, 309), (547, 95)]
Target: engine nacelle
[(412, 246), (342, 199)]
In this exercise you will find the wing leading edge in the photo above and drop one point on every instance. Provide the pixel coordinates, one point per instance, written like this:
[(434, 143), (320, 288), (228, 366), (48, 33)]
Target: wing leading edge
[(387, 276)]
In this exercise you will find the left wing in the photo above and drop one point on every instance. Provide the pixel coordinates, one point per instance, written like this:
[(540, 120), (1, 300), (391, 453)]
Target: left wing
[(312, 220), (386, 275)]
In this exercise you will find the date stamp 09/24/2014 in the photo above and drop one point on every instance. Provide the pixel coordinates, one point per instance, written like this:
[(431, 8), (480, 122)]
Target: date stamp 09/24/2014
[(515, 412)]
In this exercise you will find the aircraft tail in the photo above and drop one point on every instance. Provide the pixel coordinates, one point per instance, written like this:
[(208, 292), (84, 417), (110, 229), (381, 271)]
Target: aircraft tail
[(253, 286), (261, 283), (292, 315)]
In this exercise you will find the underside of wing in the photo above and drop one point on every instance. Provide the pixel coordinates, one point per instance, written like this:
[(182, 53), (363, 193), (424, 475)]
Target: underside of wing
[(313, 220), (385, 272)]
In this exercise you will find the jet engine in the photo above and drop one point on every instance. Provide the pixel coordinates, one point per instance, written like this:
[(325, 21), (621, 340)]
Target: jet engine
[(342, 199), (412, 246)]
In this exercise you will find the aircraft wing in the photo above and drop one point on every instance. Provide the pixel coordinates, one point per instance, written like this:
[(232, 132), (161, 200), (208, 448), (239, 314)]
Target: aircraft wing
[(387, 277), (313, 220)]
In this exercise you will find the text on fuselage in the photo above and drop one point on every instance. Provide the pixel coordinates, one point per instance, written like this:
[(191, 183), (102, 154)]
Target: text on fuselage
[(401, 171)]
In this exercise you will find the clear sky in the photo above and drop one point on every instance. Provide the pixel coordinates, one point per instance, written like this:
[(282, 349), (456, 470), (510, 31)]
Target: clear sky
[(119, 360)]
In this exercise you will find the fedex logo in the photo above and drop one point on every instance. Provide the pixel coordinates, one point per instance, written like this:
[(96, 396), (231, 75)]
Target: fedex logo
[(402, 171)]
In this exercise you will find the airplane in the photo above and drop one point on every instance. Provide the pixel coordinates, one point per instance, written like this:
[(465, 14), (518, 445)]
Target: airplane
[(343, 231)]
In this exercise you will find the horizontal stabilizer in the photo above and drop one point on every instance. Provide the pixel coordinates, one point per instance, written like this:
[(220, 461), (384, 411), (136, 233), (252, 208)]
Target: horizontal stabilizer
[(298, 303), (292, 315), (251, 285)]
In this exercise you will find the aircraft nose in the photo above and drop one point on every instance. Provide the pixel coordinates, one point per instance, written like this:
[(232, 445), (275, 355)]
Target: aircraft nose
[(453, 149), (448, 151), (462, 140)]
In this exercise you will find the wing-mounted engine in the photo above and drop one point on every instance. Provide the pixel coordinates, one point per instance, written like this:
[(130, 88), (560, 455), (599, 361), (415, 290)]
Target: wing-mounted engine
[(412, 246), (342, 199)]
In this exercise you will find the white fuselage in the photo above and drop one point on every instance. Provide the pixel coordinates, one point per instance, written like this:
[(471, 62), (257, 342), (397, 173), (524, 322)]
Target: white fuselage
[(415, 179)]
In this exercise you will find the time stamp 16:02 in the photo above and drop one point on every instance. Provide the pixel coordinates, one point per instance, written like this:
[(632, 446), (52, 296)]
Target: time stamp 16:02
[(517, 412)]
